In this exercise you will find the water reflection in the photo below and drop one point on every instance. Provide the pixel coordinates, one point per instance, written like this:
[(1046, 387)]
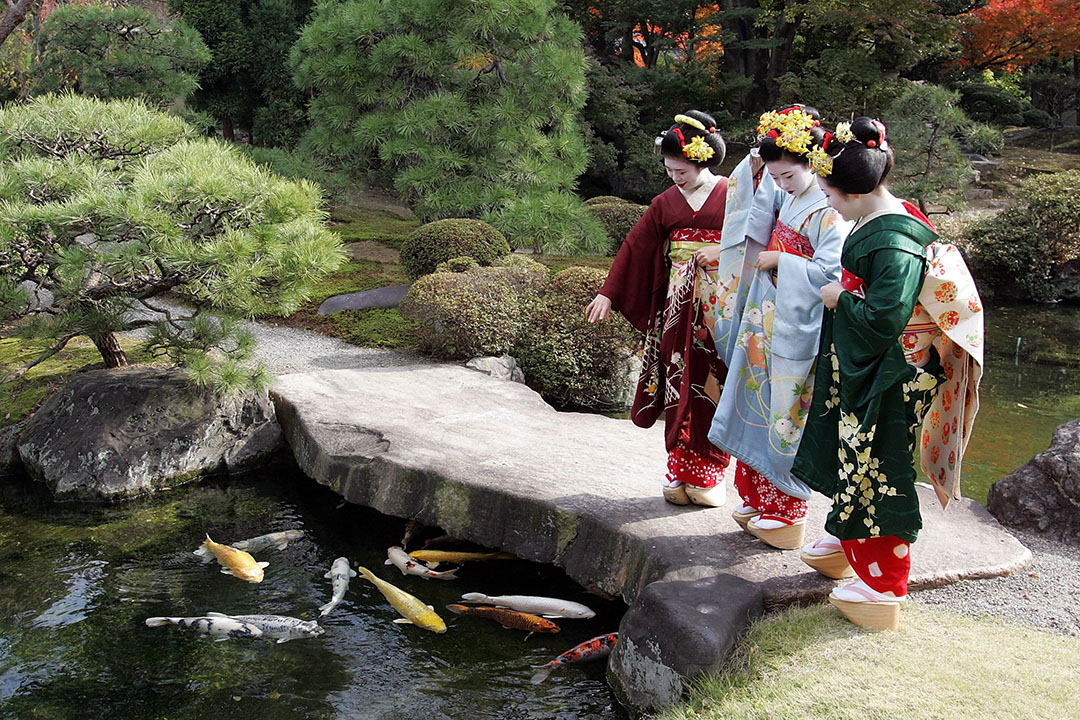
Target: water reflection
[(76, 584)]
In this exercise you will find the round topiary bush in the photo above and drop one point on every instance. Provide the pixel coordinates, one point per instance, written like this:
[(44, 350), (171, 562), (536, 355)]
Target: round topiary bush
[(443, 240), (570, 361), (1018, 251), (618, 220), (604, 200), (457, 265), (529, 277)]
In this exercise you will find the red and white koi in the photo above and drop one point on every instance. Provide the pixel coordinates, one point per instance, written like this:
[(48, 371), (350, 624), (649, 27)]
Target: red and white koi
[(411, 566), (597, 648)]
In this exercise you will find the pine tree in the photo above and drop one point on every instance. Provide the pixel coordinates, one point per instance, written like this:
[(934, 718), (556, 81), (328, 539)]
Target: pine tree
[(471, 106), (105, 206)]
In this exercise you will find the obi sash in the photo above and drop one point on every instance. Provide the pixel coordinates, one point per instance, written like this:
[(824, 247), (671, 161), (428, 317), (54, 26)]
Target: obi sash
[(791, 241), (684, 241)]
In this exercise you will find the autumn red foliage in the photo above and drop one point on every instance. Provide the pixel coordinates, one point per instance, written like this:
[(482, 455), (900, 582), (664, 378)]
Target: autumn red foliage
[(1017, 33)]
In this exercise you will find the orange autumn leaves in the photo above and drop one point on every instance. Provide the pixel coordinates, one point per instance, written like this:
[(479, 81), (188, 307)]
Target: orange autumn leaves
[(1016, 33)]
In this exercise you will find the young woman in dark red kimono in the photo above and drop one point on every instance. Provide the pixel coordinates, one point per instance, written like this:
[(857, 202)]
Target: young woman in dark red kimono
[(663, 280)]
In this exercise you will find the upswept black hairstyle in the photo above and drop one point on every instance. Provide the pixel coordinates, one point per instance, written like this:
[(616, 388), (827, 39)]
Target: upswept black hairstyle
[(671, 146), (771, 152), (861, 165)]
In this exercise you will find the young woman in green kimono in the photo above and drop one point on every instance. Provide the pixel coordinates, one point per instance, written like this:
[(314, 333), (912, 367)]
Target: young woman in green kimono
[(871, 390)]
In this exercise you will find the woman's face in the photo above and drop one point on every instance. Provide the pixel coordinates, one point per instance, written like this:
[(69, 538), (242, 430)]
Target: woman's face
[(682, 172), (791, 177), (849, 206)]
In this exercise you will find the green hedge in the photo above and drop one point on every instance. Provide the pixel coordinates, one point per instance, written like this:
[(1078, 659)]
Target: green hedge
[(443, 240), (618, 220)]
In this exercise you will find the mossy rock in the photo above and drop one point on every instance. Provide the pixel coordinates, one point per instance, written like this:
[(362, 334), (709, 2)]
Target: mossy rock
[(604, 200), (570, 361), (618, 220), (443, 240)]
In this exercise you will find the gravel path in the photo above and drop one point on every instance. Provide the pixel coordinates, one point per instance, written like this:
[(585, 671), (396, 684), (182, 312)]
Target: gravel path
[(1045, 595), (289, 350)]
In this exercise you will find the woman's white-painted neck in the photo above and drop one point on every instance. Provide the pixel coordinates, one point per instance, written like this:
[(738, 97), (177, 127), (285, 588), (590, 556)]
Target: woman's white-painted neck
[(697, 197)]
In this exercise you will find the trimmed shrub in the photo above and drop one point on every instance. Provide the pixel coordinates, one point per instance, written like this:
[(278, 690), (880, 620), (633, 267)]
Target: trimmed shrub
[(987, 103), (1017, 251), (618, 220), (1035, 117), (444, 240), (604, 200), (457, 265), (529, 277), (568, 360)]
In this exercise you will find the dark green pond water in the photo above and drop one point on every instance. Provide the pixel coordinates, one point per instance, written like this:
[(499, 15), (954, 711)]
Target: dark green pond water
[(76, 584)]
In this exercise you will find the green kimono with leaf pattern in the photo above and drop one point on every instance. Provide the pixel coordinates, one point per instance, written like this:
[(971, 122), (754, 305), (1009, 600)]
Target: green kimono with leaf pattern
[(868, 401)]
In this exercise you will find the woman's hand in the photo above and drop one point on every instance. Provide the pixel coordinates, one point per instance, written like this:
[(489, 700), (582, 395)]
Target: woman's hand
[(830, 294), (707, 255), (598, 309), (767, 259)]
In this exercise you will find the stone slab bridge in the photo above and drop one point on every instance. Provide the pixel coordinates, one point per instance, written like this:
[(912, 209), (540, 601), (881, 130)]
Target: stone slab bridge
[(490, 462)]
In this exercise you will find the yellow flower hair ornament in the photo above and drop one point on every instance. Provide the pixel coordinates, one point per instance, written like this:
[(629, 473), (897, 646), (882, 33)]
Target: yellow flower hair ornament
[(843, 132), (789, 129), (820, 161), (698, 150)]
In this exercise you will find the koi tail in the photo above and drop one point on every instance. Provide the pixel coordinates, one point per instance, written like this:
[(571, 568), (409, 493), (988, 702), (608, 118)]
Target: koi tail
[(542, 673), (156, 621), (447, 575)]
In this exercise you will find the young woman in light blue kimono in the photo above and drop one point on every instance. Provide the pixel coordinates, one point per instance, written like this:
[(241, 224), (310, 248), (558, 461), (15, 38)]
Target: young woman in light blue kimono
[(766, 398)]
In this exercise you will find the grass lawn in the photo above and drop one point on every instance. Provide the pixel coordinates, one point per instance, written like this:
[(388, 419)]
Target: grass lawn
[(811, 664)]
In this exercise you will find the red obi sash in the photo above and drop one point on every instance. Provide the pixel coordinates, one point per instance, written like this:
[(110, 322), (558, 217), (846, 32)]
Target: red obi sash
[(701, 235), (852, 282), (787, 240)]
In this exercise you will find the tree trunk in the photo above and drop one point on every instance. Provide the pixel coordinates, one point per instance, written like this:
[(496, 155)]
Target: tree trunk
[(13, 17), (110, 350), (227, 129)]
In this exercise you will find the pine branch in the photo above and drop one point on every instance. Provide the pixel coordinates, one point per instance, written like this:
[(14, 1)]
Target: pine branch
[(41, 358)]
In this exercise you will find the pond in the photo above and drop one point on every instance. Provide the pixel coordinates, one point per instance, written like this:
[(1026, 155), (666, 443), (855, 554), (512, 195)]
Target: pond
[(77, 583)]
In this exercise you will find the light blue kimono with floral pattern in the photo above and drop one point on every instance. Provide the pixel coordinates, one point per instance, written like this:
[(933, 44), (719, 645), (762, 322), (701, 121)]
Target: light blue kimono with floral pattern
[(766, 397)]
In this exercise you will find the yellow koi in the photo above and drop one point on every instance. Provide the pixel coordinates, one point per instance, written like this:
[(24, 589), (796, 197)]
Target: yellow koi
[(236, 562), (434, 557), (413, 610)]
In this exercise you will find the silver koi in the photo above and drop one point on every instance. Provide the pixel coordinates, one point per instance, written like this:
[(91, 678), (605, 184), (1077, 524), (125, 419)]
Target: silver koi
[(221, 628), (279, 627), (339, 575), (542, 606)]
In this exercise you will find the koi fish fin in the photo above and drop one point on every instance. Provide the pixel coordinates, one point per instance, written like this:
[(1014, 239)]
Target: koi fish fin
[(217, 614), (328, 575), (281, 640), (551, 617), (156, 621), (282, 545), (527, 637), (352, 573), (263, 564), (403, 621), (227, 571), (204, 554), (474, 597), (541, 674), (221, 639), (432, 563), (388, 562)]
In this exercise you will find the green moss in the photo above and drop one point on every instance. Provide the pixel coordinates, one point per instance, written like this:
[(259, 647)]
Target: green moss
[(20, 397), (373, 328), (382, 226)]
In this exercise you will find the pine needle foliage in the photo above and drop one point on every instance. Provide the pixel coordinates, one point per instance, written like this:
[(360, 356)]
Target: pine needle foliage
[(472, 106), (106, 206)]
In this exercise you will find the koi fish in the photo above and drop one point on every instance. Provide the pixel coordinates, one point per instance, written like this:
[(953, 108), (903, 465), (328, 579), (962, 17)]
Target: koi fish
[(279, 540), (434, 557), (412, 610), (235, 562), (543, 606), (221, 628), (280, 627), (596, 649), (410, 566), (508, 618), (339, 574)]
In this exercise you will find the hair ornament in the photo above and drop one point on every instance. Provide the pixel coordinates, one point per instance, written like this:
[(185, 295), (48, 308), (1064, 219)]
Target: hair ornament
[(687, 120), (789, 129), (698, 150), (843, 132), (821, 162), (880, 127)]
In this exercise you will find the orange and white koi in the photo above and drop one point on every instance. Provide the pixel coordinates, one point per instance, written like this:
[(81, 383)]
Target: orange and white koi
[(410, 566), (236, 562), (595, 649), (507, 618)]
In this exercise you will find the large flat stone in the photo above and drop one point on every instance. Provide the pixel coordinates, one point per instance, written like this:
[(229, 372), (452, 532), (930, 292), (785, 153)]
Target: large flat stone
[(491, 462)]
